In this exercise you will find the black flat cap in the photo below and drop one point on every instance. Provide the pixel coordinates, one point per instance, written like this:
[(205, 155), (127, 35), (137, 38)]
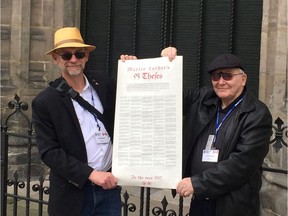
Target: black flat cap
[(226, 60)]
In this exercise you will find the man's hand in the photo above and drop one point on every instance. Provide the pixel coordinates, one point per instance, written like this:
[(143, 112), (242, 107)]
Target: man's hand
[(184, 187), (170, 52), (127, 57), (104, 179)]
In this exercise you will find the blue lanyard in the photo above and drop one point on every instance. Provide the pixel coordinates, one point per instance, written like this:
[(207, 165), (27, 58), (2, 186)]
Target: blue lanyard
[(218, 126)]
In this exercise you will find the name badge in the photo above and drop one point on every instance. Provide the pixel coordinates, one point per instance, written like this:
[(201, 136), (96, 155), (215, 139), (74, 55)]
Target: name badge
[(210, 155), (102, 136)]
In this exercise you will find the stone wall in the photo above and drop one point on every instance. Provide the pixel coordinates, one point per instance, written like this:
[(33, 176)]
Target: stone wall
[(27, 28), (273, 91)]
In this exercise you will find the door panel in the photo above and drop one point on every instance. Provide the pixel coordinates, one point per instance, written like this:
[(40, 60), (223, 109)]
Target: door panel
[(200, 29)]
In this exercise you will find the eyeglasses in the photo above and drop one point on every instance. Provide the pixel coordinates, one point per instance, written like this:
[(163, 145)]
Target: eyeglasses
[(225, 76), (68, 55)]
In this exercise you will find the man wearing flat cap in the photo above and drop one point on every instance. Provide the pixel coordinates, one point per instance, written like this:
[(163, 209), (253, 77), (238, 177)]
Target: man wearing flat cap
[(73, 120), (225, 140)]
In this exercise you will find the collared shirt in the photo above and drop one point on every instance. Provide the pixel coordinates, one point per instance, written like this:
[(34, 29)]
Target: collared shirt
[(99, 152)]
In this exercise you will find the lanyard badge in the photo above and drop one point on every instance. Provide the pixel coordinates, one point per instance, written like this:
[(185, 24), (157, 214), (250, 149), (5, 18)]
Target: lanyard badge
[(210, 153)]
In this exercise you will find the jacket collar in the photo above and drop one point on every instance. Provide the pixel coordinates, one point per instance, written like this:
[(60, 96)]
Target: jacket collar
[(247, 105)]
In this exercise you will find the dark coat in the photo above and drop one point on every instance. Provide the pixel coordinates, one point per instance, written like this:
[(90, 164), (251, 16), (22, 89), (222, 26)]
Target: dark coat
[(235, 180), (61, 144)]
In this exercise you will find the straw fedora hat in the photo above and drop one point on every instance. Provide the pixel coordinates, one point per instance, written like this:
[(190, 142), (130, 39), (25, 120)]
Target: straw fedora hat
[(69, 37)]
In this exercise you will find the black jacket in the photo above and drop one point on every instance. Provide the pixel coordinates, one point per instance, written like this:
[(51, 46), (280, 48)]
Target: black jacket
[(235, 180), (61, 144)]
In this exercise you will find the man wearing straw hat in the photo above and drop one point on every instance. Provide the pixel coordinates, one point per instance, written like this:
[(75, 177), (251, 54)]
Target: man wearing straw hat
[(74, 140)]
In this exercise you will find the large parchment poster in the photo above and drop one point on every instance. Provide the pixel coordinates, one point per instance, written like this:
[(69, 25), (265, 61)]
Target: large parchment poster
[(147, 145)]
